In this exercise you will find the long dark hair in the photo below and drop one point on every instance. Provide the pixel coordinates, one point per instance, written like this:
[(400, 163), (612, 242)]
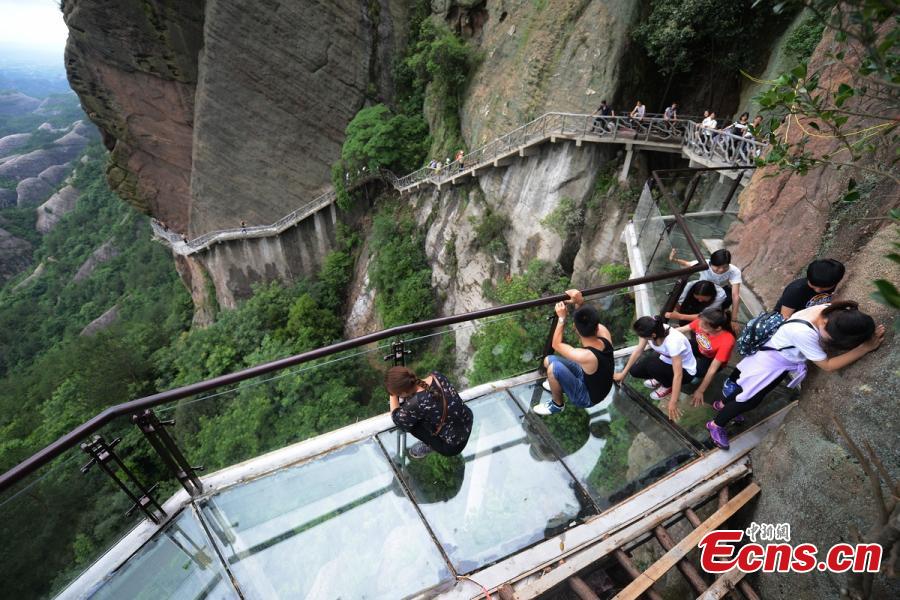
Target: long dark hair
[(401, 381), (847, 326), (703, 287), (647, 327)]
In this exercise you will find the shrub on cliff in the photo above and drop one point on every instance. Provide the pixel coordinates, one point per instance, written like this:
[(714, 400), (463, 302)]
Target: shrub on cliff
[(400, 272), (679, 34), (376, 138)]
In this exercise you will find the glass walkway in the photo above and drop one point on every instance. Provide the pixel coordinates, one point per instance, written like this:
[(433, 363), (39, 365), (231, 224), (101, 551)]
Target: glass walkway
[(364, 521)]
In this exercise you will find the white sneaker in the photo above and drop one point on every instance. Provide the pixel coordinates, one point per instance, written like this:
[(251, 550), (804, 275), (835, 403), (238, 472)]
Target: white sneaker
[(546, 385), (547, 408), (651, 383)]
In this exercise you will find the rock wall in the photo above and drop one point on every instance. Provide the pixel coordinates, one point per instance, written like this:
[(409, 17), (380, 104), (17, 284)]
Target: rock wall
[(272, 103), (565, 55), (134, 67), (232, 268), (220, 111)]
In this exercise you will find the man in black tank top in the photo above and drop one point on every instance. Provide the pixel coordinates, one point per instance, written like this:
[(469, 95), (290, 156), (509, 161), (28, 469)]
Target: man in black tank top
[(583, 374)]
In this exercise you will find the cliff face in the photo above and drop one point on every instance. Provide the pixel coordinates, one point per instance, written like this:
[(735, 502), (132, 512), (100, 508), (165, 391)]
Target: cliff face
[(134, 67), (565, 55), (217, 112), (277, 87)]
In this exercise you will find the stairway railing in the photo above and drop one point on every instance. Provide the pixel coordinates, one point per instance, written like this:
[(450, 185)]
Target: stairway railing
[(715, 147)]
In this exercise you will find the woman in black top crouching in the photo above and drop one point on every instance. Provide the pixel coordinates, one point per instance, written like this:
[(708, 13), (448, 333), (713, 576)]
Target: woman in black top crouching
[(430, 409)]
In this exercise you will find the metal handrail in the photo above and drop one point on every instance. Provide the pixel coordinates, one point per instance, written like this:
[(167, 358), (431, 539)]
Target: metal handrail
[(72, 438)]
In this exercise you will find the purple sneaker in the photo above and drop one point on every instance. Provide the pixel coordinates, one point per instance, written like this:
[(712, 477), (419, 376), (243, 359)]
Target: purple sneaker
[(718, 434), (719, 405)]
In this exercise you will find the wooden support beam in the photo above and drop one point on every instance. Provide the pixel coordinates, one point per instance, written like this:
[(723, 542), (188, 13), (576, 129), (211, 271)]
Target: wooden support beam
[(687, 568), (743, 585), (528, 150), (625, 561), (652, 517), (723, 585), (581, 589), (682, 548), (506, 592)]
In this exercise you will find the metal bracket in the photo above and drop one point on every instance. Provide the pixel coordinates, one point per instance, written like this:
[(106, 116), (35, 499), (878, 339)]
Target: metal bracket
[(398, 354), (102, 455), (155, 432)]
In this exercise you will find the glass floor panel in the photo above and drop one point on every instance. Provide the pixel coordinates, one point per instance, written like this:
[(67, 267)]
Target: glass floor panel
[(178, 562), (339, 526), (614, 448), (505, 492)]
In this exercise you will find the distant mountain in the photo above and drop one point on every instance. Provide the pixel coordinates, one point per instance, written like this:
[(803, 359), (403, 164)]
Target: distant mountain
[(17, 103), (34, 73)]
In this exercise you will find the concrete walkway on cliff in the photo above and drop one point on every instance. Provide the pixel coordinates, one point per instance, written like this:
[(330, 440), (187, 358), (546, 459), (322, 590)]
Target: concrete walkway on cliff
[(701, 146)]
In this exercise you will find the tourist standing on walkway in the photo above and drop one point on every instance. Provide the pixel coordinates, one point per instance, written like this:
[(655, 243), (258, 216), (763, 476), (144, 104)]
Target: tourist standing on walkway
[(667, 368), (430, 409), (839, 328), (671, 112), (583, 374), (638, 111), (739, 127)]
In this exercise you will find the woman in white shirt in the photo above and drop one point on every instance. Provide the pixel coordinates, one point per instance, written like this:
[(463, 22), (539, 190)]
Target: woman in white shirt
[(839, 328), (664, 371)]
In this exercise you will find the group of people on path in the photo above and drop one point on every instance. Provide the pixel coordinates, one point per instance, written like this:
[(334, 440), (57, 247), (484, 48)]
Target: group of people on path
[(742, 127), (805, 325), (448, 165)]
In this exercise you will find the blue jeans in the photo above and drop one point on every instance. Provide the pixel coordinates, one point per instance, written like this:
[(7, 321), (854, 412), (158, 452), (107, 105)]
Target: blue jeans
[(571, 378)]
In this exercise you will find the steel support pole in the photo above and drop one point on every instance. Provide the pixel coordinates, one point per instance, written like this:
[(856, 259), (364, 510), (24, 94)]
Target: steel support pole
[(155, 432)]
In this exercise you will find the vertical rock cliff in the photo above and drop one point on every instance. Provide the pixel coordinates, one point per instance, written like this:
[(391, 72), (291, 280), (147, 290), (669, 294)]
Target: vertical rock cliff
[(221, 111)]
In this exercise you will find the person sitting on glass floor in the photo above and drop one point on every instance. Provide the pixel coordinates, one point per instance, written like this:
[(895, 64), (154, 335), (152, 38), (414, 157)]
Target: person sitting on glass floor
[(722, 273), (430, 409), (583, 374)]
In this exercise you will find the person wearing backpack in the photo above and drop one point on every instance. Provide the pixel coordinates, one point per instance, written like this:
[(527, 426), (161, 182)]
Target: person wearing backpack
[(664, 371), (722, 273), (822, 278), (839, 328), (712, 343)]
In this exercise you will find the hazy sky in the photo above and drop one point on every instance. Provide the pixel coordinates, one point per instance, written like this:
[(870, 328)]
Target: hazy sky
[(36, 24)]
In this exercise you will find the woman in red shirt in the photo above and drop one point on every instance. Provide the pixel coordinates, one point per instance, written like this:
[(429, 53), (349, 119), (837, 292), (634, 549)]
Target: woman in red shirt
[(712, 342)]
